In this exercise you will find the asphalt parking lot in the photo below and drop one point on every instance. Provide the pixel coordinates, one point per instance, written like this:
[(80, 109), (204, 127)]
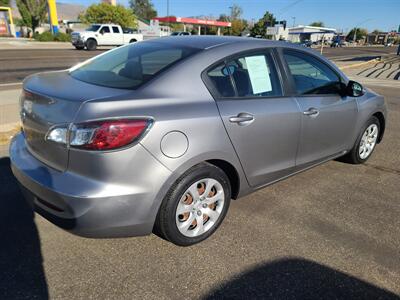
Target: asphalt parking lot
[(332, 232)]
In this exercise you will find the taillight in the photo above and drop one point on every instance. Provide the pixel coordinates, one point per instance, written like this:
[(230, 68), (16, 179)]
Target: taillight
[(100, 135), (107, 134)]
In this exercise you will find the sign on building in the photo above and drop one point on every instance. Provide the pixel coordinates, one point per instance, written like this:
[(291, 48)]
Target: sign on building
[(4, 23), (272, 30)]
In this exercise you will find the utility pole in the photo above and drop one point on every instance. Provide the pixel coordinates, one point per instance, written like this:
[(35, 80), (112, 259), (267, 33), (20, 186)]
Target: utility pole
[(230, 19), (168, 13)]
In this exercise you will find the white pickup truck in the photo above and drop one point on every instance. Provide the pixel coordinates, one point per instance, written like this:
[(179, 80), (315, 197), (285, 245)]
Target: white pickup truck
[(104, 35)]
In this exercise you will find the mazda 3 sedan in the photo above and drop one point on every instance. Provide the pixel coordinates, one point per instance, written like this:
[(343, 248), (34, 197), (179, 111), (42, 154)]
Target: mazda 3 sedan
[(160, 135)]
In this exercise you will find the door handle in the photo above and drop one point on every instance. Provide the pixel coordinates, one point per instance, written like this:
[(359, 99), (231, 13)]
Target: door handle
[(311, 112), (242, 119)]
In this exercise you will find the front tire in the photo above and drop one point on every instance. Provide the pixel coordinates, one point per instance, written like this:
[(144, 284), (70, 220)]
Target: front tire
[(366, 142), (195, 206), (91, 44), (79, 47)]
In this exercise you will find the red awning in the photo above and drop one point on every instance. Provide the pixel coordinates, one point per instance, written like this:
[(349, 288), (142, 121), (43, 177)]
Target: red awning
[(193, 21)]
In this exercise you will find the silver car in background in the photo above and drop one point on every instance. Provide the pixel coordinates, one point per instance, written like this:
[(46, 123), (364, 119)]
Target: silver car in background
[(159, 136)]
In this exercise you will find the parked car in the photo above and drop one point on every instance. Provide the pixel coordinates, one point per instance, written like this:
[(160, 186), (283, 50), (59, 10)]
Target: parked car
[(104, 35), (179, 33), (112, 148), (306, 43)]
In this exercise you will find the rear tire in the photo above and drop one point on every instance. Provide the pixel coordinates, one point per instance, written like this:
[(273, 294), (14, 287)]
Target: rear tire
[(365, 144), (132, 41), (200, 196), (91, 44)]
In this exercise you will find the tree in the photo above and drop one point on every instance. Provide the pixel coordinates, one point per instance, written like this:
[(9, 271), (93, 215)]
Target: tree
[(32, 12), (260, 28), (143, 9), (107, 13), (318, 24), (5, 2), (360, 34), (236, 12), (238, 26)]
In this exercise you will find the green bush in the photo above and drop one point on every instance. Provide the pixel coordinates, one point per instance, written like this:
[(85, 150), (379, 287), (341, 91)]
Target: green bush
[(47, 36), (62, 37), (44, 37)]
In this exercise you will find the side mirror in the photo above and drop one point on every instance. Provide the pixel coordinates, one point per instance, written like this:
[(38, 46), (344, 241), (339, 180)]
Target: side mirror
[(354, 89)]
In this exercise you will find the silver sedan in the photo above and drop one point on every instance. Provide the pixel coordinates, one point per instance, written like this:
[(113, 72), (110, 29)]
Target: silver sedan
[(160, 135)]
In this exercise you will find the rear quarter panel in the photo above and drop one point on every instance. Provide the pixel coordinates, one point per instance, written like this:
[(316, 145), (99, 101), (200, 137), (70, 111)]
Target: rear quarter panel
[(178, 101)]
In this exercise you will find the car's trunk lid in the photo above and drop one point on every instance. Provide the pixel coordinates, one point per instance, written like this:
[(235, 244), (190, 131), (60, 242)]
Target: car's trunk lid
[(52, 99)]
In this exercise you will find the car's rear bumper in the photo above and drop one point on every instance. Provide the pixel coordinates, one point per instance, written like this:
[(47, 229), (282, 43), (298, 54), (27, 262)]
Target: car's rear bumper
[(88, 207)]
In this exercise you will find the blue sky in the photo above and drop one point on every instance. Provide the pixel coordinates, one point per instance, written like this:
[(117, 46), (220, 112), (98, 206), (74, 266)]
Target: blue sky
[(339, 14)]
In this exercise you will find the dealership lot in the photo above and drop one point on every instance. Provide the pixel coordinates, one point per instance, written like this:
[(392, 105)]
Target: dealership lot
[(330, 232)]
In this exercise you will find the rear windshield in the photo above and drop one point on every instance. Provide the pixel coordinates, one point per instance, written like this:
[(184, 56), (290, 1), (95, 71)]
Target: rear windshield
[(130, 66)]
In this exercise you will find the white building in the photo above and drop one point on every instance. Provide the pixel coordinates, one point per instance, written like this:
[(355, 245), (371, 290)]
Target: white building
[(152, 29), (302, 33), (278, 32)]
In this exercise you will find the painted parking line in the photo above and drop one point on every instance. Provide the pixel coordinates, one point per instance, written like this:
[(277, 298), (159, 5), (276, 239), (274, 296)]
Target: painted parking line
[(11, 83)]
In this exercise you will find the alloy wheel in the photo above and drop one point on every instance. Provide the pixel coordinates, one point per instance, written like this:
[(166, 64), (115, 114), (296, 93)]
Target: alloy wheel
[(368, 141)]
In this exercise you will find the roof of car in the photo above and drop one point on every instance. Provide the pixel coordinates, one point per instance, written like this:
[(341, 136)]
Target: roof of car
[(210, 41)]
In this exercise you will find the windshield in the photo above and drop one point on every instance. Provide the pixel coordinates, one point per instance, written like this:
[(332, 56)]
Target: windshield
[(93, 28), (130, 66)]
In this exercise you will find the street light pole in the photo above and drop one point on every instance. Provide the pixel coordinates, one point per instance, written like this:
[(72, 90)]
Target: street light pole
[(167, 8)]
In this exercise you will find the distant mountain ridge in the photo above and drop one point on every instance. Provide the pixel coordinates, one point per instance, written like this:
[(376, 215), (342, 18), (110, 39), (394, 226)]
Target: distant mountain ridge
[(65, 11)]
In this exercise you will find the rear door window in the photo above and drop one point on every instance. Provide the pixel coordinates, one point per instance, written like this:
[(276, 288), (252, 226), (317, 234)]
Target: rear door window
[(246, 76), (255, 76), (220, 79), (115, 29)]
